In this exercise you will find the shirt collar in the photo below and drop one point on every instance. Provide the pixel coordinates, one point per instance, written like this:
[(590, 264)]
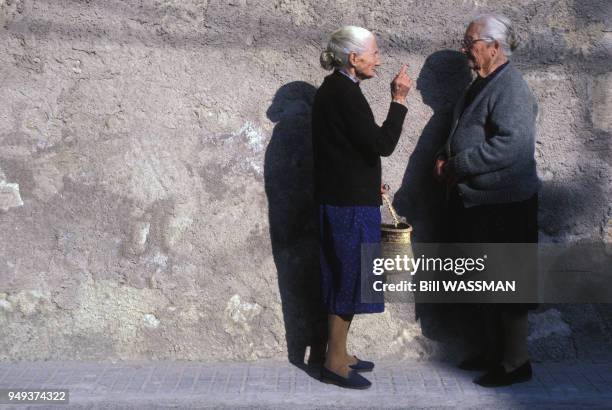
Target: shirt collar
[(353, 79), (495, 72)]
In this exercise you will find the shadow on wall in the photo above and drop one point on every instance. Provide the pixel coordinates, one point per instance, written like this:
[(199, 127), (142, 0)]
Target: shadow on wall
[(293, 229), (442, 80)]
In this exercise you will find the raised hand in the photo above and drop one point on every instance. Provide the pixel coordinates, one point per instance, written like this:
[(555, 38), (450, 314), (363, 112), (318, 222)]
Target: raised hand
[(400, 86)]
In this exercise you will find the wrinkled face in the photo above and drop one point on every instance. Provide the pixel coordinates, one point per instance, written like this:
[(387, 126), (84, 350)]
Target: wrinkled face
[(365, 63), (479, 53)]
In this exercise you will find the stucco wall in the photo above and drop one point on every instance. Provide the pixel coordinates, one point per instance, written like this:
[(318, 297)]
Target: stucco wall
[(155, 191)]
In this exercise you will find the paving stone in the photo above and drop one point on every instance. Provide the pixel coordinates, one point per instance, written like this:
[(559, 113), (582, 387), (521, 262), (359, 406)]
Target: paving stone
[(282, 385)]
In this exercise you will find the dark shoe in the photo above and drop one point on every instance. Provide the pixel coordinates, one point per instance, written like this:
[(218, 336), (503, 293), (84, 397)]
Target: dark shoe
[(362, 365), (354, 381), (476, 363), (499, 377)]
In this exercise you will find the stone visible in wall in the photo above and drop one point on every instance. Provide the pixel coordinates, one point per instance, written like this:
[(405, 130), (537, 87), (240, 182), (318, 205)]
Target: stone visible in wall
[(240, 314), (66, 295), (602, 102), (31, 302), (547, 324), (10, 196), (138, 238), (5, 305), (150, 321), (550, 336)]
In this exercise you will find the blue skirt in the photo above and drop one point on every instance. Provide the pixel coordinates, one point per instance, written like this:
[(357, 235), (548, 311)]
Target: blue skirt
[(342, 231)]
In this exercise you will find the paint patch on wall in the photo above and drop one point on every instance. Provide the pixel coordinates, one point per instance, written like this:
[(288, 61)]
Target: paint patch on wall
[(9, 195), (150, 321), (240, 312)]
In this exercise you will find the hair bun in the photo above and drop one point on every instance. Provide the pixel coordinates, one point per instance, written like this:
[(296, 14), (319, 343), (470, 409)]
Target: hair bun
[(513, 40), (327, 60)]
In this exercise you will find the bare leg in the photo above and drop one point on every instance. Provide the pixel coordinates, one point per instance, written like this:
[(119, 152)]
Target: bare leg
[(515, 335), (335, 359), (350, 359)]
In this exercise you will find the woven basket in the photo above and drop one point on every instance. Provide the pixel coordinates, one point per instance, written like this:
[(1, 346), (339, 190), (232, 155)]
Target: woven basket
[(397, 232), (395, 238)]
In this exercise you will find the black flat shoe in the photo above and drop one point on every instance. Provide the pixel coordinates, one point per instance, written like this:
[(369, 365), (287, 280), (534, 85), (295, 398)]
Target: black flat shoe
[(499, 377), (362, 365), (353, 381), (479, 363)]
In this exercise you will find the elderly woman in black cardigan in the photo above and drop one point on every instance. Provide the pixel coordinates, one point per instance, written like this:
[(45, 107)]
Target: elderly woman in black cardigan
[(347, 146)]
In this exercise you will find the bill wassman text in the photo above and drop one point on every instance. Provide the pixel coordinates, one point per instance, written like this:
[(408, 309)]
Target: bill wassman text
[(447, 286)]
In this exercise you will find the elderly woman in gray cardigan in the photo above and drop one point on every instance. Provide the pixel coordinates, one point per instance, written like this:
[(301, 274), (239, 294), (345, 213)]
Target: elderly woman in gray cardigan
[(489, 167)]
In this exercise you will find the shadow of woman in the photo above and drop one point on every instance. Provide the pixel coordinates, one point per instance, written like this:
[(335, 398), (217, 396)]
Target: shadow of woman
[(289, 188), (442, 80)]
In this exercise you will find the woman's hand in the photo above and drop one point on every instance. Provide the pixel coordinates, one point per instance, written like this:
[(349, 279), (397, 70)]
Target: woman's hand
[(438, 171), (400, 86), (441, 172)]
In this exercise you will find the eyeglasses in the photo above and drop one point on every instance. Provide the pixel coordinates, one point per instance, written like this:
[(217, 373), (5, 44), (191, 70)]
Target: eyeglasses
[(468, 43)]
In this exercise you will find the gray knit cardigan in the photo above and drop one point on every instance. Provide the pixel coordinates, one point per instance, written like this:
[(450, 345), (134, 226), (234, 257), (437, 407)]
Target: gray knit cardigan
[(492, 143)]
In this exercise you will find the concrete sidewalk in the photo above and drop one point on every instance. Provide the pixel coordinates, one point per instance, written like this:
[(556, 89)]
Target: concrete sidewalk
[(276, 384)]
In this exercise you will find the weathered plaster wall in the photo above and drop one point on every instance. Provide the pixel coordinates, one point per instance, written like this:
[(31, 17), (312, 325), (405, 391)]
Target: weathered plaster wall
[(155, 169)]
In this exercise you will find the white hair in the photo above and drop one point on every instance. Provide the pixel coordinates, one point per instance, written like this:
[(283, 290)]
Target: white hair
[(342, 42), (499, 28)]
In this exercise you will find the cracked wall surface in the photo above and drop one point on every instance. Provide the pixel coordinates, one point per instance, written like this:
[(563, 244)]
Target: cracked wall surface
[(155, 170)]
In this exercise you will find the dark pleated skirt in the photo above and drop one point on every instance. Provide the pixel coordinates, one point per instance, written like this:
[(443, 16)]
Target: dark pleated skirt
[(342, 231)]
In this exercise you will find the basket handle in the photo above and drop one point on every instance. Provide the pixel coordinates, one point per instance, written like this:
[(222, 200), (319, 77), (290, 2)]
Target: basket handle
[(390, 206)]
